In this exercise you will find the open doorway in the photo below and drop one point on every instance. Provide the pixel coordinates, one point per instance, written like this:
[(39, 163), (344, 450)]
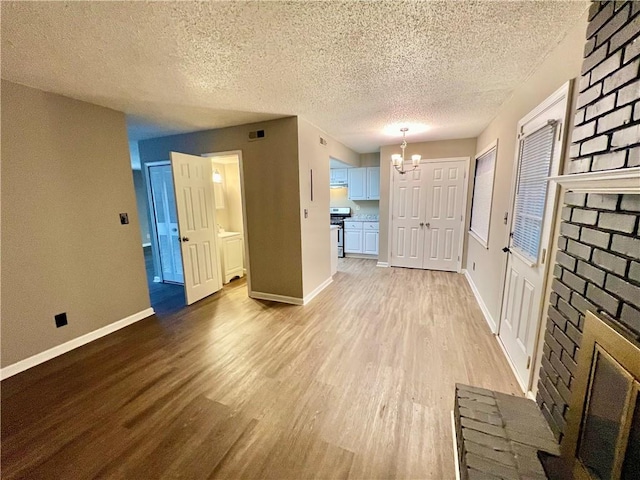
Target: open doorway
[(230, 214)]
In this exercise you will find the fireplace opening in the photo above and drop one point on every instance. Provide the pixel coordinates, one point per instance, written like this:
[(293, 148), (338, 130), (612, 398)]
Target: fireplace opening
[(603, 424)]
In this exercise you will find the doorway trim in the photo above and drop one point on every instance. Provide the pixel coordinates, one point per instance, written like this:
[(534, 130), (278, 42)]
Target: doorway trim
[(155, 247), (245, 233), (550, 220), (465, 193)]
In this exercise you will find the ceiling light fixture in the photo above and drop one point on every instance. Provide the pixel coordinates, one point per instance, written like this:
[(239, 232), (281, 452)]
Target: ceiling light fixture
[(398, 160)]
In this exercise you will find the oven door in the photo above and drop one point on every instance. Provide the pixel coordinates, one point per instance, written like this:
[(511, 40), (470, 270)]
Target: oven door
[(340, 237)]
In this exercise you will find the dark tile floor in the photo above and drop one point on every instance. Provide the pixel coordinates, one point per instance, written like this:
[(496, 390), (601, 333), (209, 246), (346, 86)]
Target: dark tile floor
[(166, 298)]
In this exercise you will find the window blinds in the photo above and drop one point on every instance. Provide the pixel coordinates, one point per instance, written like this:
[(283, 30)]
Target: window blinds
[(536, 152), (482, 195)]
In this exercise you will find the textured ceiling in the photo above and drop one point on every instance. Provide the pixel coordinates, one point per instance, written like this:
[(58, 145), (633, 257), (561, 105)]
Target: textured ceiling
[(351, 68)]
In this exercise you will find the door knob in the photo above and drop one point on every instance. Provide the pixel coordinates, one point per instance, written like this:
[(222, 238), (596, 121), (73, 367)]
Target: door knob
[(506, 250), (184, 239), (428, 225), (422, 224)]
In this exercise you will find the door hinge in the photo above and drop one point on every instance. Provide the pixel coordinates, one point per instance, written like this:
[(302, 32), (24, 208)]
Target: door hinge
[(528, 362), (544, 255), (458, 257), (460, 217)]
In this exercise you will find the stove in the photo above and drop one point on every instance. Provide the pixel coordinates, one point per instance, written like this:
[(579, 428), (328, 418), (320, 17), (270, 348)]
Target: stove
[(337, 217)]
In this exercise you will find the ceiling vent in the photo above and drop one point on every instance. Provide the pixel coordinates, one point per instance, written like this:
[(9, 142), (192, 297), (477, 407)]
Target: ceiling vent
[(256, 135), (323, 141)]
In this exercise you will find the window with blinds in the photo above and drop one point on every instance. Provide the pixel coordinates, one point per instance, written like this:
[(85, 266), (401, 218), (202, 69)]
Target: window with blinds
[(536, 152), (483, 195)]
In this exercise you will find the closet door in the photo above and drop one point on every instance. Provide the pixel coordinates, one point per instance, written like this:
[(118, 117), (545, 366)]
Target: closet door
[(443, 224)]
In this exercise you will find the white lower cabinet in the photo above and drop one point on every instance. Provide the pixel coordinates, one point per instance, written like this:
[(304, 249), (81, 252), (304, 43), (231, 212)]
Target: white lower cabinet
[(361, 237), (370, 243), (231, 255), (353, 241)]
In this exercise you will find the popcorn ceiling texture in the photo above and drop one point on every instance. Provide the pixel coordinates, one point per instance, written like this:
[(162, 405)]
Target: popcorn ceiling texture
[(351, 68)]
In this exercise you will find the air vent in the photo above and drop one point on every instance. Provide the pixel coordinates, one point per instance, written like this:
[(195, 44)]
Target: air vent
[(323, 141), (256, 135)]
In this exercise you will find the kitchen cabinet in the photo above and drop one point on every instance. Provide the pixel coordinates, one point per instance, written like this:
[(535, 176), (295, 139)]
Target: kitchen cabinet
[(361, 237), (371, 238), (373, 183), (231, 255), (339, 176), (364, 183)]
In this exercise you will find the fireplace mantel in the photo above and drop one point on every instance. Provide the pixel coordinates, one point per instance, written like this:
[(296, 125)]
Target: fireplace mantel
[(625, 180)]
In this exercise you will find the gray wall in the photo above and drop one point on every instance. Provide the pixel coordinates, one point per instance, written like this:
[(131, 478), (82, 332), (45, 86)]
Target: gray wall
[(65, 178), (598, 261), (272, 195)]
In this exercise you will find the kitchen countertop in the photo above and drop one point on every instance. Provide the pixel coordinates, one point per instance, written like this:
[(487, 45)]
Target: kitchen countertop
[(364, 218)]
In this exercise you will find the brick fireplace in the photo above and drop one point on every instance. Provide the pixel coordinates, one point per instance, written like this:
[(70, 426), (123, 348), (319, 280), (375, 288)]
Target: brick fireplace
[(598, 261)]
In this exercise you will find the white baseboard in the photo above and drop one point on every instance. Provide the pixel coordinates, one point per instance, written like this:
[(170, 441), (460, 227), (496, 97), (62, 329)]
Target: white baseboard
[(146, 244), (531, 396), (483, 306), (313, 294), (276, 298), (157, 280), (42, 357), (383, 264), (455, 445)]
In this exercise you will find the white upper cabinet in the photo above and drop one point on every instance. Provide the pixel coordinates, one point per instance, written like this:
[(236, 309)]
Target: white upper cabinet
[(357, 184), (339, 176), (373, 183), (364, 183)]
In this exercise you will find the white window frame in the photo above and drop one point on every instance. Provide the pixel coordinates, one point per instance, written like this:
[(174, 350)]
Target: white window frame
[(478, 235)]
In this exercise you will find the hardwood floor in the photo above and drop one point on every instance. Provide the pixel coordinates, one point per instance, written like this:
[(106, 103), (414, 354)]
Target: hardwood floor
[(357, 384)]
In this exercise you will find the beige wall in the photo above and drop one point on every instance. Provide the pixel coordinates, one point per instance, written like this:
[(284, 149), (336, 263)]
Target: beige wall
[(316, 246), (65, 178), (272, 195), (234, 197), (429, 150), (561, 65)]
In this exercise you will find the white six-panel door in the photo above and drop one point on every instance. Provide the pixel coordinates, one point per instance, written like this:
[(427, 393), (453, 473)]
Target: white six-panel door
[(443, 221), (197, 223), (427, 215), (408, 211)]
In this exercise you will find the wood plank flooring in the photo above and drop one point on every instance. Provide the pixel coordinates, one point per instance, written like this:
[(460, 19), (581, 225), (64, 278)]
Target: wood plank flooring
[(358, 384)]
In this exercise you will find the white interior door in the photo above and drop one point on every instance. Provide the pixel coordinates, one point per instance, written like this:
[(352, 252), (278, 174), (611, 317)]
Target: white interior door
[(444, 214), (407, 214), (166, 220), (197, 225), (538, 156)]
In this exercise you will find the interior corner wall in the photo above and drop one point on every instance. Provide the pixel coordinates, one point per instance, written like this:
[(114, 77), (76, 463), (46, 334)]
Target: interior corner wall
[(66, 176), (315, 199), (464, 147), (271, 191), (562, 64)]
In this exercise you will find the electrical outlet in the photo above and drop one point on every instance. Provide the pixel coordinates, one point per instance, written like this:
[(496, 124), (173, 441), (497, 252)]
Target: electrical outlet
[(61, 319), (124, 218)]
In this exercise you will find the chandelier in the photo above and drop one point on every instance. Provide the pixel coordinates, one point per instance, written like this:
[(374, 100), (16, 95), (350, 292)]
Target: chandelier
[(398, 160)]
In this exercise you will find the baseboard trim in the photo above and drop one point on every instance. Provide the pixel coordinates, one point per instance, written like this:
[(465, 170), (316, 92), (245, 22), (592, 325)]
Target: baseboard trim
[(157, 280), (383, 264), (276, 298), (146, 245), (42, 357), (320, 287), (483, 306)]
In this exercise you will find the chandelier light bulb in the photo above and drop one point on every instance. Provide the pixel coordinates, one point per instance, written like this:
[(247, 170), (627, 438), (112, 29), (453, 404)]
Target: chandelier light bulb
[(397, 160)]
